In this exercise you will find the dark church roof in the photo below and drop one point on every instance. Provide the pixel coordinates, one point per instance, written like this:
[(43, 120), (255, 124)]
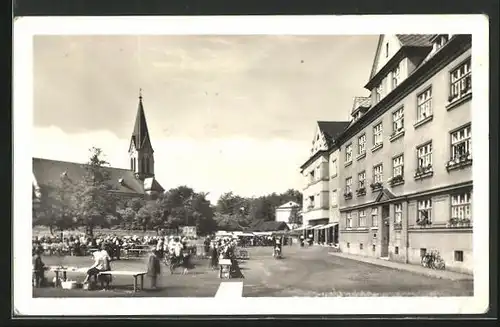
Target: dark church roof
[(140, 134), (48, 172)]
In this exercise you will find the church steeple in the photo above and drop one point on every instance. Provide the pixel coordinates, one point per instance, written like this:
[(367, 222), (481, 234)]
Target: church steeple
[(140, 149)]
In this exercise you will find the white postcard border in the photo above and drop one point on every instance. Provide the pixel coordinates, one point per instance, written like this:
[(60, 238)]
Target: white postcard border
[(25, 28)]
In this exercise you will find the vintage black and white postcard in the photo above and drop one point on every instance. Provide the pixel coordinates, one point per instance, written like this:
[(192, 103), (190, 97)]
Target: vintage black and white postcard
[(251, 165)]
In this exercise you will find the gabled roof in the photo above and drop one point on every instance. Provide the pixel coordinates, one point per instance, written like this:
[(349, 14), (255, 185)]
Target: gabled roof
[(384, 194), (289, 204), (406, 40), (140, 134), (332, 129), (360, 102), (47, 172)]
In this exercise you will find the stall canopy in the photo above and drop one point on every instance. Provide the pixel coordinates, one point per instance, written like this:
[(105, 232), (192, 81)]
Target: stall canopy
[(329, 225), (318, 227)]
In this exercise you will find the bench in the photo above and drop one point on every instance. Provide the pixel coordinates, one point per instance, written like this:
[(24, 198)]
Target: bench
[(135, 274), (225, 268)]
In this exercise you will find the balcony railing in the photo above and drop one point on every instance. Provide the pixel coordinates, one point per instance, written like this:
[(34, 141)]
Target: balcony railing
[(348, 195), (376, 186), (361, 191), (459, 222)]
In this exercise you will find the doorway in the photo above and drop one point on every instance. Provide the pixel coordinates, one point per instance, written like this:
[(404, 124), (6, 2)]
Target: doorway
[(385, 232)]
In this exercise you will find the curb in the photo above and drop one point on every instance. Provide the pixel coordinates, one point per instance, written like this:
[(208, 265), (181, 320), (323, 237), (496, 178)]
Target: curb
[(401, 267)]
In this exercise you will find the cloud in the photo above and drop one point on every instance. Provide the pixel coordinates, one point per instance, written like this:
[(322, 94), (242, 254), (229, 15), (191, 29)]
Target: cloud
[(246, 166)]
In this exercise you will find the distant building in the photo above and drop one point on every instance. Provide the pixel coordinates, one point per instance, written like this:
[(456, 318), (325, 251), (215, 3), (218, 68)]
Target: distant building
[(287, 210), (406, 158), (319, 214), (189, 231), (137, 181)]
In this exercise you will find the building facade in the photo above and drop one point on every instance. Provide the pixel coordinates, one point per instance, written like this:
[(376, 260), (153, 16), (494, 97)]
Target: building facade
[(137, 181), (405, 161), (320, 218), (285, 211)]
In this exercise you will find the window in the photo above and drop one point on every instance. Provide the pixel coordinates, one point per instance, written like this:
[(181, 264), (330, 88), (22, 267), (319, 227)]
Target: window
[(395, 77), (348, 184), (424, 156), (361, 180), (398, 166), (334, 197), (424, 104), (361, 144), (461, 206), (459, 256), (361, 246), (147, 165), (398, 213), (387, 49), (311, 176), (378, 173), (424, 213), (398, 120), (396, 250), (311, 202), (461, 143), (132, 164), (377, 134), (334, 167), (461, 80), (379, 92), (348, 153), (423, 252), (348, 221), (374, 217), (440, 42), (348, 245), (362, 218), (374, 247)]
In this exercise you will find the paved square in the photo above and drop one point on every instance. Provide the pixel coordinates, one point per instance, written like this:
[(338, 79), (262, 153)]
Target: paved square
[(302, 272)]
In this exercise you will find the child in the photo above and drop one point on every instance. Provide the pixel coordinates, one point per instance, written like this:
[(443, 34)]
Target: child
[(153, 269)]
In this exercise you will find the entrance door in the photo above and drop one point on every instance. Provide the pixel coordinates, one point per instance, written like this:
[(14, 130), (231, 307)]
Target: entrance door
[(336, 234), (385, 231)]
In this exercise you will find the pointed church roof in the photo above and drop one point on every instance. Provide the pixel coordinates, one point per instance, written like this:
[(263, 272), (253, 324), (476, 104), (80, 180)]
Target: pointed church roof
[(140, 135)]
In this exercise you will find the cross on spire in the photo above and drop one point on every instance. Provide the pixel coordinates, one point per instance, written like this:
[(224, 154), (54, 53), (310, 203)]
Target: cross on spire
[(140, 94)]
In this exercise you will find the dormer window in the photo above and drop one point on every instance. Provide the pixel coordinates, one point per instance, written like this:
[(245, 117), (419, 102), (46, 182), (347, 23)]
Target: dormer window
[(396, 75), (379, 92), (440, 41), (387, 50)]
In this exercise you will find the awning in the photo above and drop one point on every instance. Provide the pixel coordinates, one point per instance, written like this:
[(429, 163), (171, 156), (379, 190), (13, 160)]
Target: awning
[(301, 228), (329, 225), (318, 227)]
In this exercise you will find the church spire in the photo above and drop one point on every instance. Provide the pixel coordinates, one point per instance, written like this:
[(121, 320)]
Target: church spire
[(140, 150), (140, 134)]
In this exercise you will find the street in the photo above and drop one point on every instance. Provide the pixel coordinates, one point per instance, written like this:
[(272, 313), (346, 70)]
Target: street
[(302, 272)]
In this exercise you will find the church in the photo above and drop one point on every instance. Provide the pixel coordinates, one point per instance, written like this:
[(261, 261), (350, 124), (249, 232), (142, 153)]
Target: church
[(137, 181)]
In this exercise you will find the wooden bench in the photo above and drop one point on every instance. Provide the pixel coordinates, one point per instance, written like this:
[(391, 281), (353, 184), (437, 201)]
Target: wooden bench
[(135, 274)]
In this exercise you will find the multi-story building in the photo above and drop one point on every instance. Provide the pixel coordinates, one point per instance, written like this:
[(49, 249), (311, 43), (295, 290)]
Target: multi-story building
[(320, 219), (405, 161)]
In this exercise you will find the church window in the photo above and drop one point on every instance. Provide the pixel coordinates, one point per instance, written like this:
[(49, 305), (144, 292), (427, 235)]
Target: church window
[(131, 163), (147, 165), (143, 168)]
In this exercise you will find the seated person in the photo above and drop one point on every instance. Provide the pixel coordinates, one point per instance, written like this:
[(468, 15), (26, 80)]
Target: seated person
[(101, 263)]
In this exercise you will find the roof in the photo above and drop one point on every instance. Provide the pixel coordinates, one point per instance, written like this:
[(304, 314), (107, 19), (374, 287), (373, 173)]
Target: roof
[(361, 102), (289, 204), (332, 129), (415, 40), (48, 171), (140, 134), (261, 225), (406, 40), (151, 184)]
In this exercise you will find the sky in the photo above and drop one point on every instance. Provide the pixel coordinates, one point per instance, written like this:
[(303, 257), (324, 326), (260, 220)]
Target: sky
[(225, 113)]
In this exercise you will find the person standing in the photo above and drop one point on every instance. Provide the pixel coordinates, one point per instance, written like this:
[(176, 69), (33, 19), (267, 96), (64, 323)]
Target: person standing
[(38, 268), (153, 269)]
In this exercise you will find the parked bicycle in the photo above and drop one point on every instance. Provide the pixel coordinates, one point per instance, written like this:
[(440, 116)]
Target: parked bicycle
[(433, 260)]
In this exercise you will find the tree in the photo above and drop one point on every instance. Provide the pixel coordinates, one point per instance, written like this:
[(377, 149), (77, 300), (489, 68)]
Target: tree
[(54, 207), (92, 197), (295, 218)]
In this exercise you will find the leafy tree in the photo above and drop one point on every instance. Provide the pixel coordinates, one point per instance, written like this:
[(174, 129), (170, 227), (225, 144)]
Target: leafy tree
[(54, 207), (93, 198), (295, 218)]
